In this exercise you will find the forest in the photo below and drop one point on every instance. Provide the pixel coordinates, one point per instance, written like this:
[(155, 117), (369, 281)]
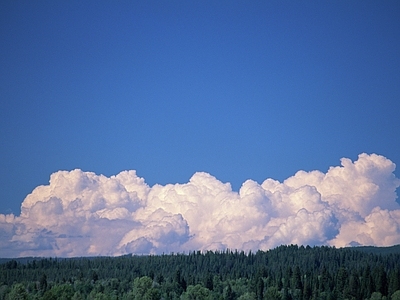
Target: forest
[(286, 272)]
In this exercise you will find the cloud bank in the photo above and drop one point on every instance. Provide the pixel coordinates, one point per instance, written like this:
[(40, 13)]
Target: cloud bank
[(81, 213)]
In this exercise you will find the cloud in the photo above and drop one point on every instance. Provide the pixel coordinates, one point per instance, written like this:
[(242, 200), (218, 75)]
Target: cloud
[(81, 213)]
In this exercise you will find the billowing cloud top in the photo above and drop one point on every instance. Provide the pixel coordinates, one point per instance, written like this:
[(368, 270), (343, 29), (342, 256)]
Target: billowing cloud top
[(81, 213)]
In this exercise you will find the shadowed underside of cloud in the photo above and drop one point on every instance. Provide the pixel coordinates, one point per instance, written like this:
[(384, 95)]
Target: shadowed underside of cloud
[(81, 213)]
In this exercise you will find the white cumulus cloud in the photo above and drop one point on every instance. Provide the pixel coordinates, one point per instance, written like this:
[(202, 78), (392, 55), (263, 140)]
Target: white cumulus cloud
[(81, 213)]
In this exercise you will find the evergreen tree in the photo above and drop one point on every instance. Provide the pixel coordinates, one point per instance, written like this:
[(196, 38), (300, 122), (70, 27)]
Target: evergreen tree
[(43, 283), (341, 282), (260, 288), (353, 289), (367, 283), (307, 291), (324, 280), (296, 284), (380, 279), (209, 281), (394, 281), (296, 279)]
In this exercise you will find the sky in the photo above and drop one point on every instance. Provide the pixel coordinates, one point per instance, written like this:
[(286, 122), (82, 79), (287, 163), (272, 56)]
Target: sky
[(186, 125)]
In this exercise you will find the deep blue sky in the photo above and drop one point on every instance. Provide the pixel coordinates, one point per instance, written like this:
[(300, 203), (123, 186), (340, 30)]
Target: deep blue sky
[(239, 89)]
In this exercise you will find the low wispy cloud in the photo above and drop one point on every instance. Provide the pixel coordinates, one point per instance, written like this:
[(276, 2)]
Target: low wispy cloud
[(81, 213)]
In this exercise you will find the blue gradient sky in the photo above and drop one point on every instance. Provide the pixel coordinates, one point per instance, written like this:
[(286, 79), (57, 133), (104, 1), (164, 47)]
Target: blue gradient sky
[(238, 89)]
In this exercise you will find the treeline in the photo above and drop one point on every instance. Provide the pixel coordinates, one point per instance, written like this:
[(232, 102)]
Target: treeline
[(286, 272)]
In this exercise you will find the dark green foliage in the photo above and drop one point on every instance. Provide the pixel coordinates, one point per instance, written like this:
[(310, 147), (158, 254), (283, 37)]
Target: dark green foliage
[(394, 281), (353, 288), (229, 295), (18, 292), (287, 272), (43, 283), (196, 292), (380, 280), (59, 291), (367, 283)]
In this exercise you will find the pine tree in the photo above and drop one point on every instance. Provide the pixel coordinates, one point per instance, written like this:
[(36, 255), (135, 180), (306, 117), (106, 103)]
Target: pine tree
[(367, 283), (341, 282), (353, 290), (394, 282), (380, 279), (43, 283)]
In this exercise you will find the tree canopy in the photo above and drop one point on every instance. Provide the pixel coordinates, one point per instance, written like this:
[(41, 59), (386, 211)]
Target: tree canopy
[(287, 272)]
